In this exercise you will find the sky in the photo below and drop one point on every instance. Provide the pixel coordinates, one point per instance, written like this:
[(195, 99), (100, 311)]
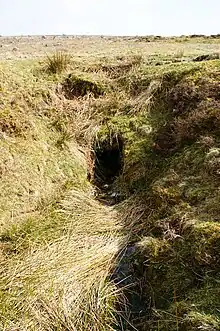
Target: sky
[(109, 17)]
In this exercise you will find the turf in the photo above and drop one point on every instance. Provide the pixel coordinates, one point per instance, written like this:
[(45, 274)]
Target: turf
[(69, 260)]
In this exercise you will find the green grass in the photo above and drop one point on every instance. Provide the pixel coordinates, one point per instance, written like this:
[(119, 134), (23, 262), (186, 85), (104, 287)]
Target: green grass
[(58, 245), (171, 175), (57, 242)]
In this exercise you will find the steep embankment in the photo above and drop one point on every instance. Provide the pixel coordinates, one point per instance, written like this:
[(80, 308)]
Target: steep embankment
[(149, 262)]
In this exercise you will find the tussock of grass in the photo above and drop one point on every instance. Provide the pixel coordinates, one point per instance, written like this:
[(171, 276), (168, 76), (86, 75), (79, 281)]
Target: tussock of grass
[(57, 63)]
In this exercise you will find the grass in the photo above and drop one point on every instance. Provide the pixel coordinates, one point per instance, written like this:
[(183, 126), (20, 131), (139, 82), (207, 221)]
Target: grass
[(172, 184), (59, 262), (60, 288), (57, 63), (60, 246), (43, 225)]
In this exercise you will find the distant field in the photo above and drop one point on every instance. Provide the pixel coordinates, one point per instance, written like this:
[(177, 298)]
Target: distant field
[(33, 47)]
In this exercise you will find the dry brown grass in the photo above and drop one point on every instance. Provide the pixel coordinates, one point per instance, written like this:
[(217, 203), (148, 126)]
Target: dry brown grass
[(65, 284)]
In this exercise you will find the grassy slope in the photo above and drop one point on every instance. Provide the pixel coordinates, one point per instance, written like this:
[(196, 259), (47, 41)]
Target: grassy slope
[(58, 245), (173, 222)]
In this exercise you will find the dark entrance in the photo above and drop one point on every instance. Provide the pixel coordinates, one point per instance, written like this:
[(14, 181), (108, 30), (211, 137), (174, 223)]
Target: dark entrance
[(108, 160)]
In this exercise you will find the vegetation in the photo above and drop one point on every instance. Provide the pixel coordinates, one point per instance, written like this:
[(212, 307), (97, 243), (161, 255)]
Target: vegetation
[(151, 261), (79, 87), (57, 63)]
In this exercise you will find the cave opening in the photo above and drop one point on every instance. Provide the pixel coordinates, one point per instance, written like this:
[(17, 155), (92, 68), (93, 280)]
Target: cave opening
[(108, 160)]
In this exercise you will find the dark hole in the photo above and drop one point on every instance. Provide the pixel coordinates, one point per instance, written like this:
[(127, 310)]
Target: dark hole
[(108, 160), (74, 86)]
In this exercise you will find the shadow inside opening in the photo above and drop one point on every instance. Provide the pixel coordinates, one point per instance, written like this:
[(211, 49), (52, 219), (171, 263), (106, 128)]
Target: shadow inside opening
[(108, 160)]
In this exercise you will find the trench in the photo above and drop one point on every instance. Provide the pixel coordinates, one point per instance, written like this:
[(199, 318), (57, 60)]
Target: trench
[(108, 165)]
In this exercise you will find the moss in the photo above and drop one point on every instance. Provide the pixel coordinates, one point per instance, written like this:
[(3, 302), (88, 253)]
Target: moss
[(170, 173), (180, 271)]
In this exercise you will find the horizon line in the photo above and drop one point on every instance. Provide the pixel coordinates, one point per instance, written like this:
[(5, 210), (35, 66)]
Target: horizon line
[(195, 35)]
